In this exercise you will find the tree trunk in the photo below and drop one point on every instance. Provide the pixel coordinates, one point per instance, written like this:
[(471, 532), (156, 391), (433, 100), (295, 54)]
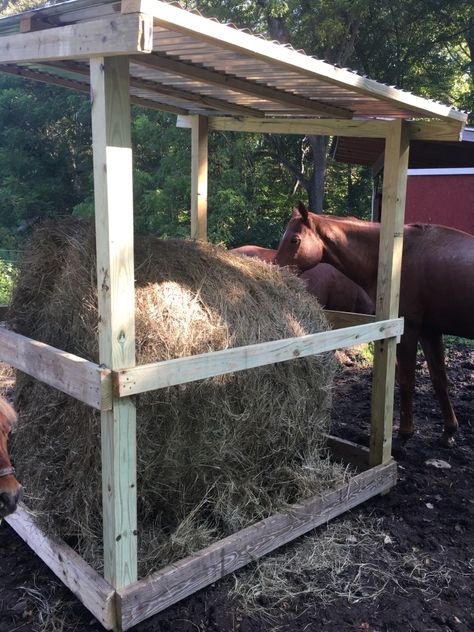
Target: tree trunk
[(319, 148)]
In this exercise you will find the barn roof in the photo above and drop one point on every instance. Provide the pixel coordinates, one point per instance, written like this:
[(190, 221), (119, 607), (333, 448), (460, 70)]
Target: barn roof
[(184, 63)]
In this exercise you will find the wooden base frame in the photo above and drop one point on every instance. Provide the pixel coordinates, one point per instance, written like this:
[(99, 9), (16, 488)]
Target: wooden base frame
[(123, 608)]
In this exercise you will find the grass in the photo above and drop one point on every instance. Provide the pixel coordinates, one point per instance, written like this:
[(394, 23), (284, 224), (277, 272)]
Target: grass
[(7, 274)]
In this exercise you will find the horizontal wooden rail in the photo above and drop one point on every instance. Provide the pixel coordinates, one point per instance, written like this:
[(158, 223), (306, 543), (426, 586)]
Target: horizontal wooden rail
[(84, 380), (88, 586), (339, 319), (372, 128), (114, 35), (149, 377), (163, 588)]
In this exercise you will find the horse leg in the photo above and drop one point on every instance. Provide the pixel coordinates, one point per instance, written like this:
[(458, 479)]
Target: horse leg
[(433, 349), (406, 363)]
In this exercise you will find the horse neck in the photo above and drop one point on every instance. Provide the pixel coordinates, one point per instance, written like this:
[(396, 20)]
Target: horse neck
[(352, 247)]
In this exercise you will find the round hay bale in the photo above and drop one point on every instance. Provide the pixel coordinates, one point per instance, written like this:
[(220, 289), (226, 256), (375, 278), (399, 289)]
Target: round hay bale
[(213, 455)]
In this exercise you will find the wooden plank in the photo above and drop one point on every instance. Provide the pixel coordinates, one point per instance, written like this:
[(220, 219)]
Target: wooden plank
[(177, 19), (325, 127), (45, 77), (87, 585), (435, 130), (160, 590), (397, 146), (113, 194), (339, 319), (199, 169), (115, 35), (348, 451), (237, 84), (84, 380), (148, 377)]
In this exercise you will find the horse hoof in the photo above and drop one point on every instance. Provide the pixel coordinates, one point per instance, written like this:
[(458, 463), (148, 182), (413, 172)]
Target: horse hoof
[(448, 441)]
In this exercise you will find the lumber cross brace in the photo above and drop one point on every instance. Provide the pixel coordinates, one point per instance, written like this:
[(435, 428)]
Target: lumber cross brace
[(157, 375)]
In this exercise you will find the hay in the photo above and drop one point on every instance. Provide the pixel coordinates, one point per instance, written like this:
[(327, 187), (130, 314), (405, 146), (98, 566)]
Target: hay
[(213, 455)]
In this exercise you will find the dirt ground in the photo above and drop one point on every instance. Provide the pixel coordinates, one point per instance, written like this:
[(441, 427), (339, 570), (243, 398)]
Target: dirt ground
[(429, 512)]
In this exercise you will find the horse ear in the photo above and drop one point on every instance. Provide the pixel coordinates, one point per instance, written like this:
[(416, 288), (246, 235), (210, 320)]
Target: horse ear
[(301, 212)]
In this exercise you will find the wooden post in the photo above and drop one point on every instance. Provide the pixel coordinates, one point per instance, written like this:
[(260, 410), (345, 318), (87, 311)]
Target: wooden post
[(199, 160), (397, 144), (115, 284)]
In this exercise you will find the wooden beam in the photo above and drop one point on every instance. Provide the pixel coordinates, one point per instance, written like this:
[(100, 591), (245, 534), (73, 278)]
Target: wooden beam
[(324, 127), (177, 19), (339, 319), (149, 377), (63, 82), (199, 169), (163, 90), (87, 585), (83, 380), (436, 130), (236, 84), (348, 452), (397, 146), (113, 193), (161, 589), (115, 35)]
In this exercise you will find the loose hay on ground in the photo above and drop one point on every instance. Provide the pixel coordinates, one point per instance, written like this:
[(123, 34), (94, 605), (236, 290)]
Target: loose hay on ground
[(213, 455)]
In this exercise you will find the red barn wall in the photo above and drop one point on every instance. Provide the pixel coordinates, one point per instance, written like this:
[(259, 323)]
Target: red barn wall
[(441, 199)]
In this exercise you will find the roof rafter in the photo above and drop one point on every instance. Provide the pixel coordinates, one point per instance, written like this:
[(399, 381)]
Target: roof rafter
[(167, 64)]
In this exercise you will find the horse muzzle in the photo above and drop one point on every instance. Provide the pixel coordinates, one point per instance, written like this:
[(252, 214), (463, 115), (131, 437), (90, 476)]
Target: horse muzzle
[(9, 500)]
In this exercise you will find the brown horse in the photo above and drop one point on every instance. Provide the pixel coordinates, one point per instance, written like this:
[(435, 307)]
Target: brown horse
[(265, 254), (436, 293), (332, 288), (10, 489)]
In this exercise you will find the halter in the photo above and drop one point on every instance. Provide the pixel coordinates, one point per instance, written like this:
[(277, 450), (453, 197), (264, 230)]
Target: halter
[(7, 471)]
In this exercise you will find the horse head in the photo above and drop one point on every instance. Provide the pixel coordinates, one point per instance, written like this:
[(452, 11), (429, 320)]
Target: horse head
[(300, 245), (10, 489)]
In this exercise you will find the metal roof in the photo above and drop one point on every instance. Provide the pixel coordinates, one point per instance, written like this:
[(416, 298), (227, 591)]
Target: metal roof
[(189, 64)]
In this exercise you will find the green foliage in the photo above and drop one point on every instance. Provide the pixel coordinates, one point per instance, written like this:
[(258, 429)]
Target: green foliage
[(7, 273)]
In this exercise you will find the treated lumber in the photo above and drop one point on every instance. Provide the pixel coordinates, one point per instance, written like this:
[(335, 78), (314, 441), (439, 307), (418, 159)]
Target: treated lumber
[(436, 130), (325, 127), (176, 19), (199, 170), (115, 35), (86, 584), (148, 377), (397, 146), (51, 79), (339, 319), (83, 380), (348, 451), (155, 593), (236, 84), (113, 196)]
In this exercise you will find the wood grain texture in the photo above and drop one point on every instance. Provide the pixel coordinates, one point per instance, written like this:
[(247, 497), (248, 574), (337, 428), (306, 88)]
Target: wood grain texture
[(155, 593), (199, 171), (113, 194), (176, 19), (84, 380), (339, 319), (148, 377), (115, 35), (86, 584), (397, 146)]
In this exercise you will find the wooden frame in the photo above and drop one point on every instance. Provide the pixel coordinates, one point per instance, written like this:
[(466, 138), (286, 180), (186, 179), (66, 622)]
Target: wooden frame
[(111, 41)]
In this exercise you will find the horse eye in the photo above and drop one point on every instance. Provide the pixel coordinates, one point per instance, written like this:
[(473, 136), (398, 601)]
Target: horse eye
[(296, 240)]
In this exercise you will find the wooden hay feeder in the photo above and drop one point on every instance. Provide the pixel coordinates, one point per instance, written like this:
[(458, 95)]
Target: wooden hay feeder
[(132, 52)]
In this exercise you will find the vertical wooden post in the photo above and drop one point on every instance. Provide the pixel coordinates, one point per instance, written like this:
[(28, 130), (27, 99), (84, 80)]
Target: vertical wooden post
[(113, 190), (397, 144), (199, 162)]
